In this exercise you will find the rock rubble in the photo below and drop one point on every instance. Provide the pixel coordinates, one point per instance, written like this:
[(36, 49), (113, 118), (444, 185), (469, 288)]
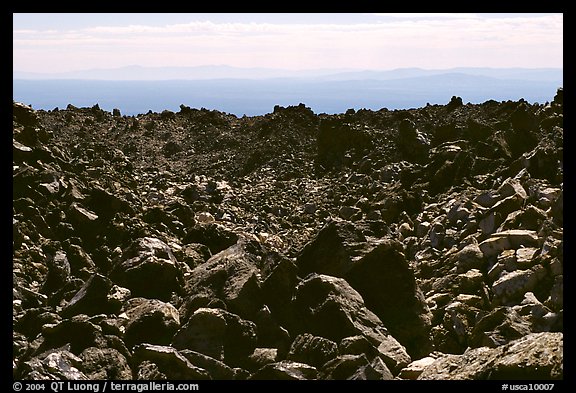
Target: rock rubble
[(373, 245)]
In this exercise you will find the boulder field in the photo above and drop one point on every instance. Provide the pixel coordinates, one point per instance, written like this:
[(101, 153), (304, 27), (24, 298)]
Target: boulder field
[(423, 243)]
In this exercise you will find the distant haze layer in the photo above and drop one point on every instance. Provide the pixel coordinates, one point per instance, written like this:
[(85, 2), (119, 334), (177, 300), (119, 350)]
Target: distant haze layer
[(256, 91)]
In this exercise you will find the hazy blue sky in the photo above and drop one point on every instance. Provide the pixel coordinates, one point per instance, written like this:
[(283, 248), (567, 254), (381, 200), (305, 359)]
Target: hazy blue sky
[(67, 42)]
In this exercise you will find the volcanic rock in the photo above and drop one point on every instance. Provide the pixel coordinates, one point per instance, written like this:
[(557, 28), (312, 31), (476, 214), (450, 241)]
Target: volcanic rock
[(416, 243)]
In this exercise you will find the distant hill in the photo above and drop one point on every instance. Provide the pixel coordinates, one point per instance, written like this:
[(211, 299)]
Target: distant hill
[(258, 91), (228, 72)]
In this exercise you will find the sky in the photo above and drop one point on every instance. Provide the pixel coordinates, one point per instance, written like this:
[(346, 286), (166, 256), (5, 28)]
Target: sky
[(51, 43)]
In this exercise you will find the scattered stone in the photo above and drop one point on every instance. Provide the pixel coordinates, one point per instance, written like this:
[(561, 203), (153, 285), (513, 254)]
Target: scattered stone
[(105, 364), (285, 370), (196, 245), (150, 321), (148, 268), (414, 369), (219, 334), (169, 362), (536, 356), (232, 276), (506, 240), (312, 350)]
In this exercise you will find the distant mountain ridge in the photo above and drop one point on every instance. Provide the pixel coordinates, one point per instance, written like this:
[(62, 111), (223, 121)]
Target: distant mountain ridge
[(229, 72)]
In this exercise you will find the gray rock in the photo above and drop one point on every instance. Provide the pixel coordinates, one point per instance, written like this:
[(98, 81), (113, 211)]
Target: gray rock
[(219, 334), (312, 350), (537, 356), (329, 307), (105, 363), (349, 212), (150, 321), (169, 362), (512, 286), (512, 186), (333, 250), (501, 326), (414, 369), (149, 269), (285, 370), (232, 276), (507, 240), (376, 370), (388, 286), (344, 367), (56, 364), (92, 298), (470, 257), (217, 369), (81, 216), (263, 356), (58, 272)]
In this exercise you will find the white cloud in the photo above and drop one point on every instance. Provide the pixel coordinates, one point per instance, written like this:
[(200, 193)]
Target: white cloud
[(406, 40), (417, 15)]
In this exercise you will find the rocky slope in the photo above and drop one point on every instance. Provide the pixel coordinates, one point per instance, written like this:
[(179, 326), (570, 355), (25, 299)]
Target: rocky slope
[(408, 244)]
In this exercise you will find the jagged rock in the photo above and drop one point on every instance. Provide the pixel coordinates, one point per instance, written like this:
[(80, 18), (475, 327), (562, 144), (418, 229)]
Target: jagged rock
[(355, 367), (470, 257), (78, 332), (58, 272), (59, 364), (537, 356), (512, 239), (105, 363), (92, 298), (204, 333), (375, 370), (336, 138), (278, 286), (334, 249), (387, 284), (81, 264), (356, 345), (215, 368), (271, 334), (24, 114), (329, 307), (263, 356), (82, 217), (148, 268), (219, 334), (149, 371), (31, 321), (150, 321), (168, 362), (232, 276), (412, 143), (213, 235), (512, 286), (312, 350), (285, 370), (414, 369), (471, 194), (349, 212), (498, 327), (192, 254), (378, 271)]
